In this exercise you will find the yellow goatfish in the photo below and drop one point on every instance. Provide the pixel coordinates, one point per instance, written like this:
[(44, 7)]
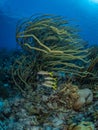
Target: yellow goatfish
[(45, 73)]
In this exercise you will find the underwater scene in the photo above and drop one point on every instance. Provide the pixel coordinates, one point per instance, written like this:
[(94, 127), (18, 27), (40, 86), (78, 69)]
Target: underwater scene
[(49, 65)]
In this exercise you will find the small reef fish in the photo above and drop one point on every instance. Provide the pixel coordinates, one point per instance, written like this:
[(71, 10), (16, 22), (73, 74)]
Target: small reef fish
[(45, 73), (49, 82), (47, 85), (50, 86), (50, 78)]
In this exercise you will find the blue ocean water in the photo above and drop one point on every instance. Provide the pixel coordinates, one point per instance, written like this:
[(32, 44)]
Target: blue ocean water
[(84, 13)]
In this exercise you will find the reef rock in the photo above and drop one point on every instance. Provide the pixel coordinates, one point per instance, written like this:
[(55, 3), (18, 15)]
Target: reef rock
[(82, 126), (85, 97)]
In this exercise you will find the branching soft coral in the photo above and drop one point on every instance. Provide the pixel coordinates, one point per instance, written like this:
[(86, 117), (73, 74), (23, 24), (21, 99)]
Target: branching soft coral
[(58, 44)]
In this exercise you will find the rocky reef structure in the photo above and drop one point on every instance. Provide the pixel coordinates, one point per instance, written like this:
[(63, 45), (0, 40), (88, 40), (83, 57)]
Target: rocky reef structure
[(82, 126), (53, 77)]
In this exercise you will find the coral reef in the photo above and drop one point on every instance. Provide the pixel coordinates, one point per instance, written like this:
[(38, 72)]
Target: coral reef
[(82, 126), (56, 43), (51, 45), (92, 68), (85, 97), (50, 83)]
